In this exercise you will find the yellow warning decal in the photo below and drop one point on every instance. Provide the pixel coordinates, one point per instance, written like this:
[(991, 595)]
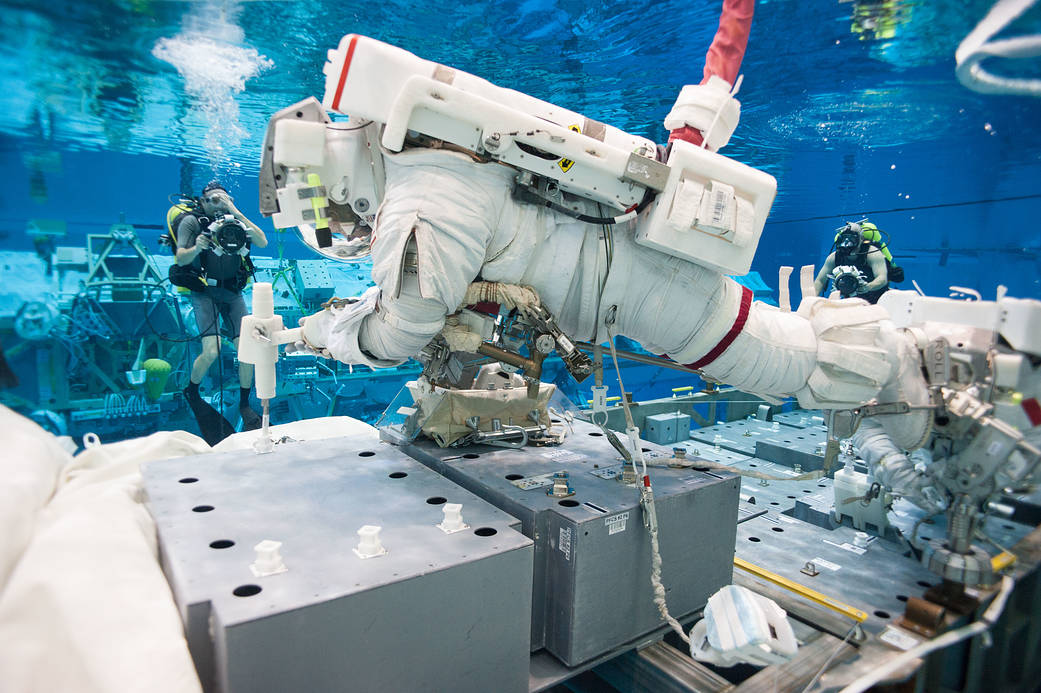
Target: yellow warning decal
[(566, 164)]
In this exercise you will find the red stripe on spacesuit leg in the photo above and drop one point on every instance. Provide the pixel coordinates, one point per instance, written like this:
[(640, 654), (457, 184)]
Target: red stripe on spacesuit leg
[(729, 337), (343, 72)]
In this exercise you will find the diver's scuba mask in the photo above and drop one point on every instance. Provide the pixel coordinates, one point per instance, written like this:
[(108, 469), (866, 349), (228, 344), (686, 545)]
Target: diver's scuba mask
[(849, 238)]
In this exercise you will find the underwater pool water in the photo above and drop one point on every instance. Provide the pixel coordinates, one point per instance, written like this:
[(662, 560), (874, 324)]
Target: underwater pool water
[(108, 107)]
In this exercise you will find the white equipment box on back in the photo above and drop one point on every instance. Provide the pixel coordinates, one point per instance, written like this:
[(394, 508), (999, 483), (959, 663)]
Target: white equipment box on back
[(711, 212), (371, 80)]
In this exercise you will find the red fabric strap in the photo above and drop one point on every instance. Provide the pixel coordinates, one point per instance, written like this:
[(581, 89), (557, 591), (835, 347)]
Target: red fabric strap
[(687, 134), (1033, 411), (486, 307), (728, 339), (728, 45), (724, 55)]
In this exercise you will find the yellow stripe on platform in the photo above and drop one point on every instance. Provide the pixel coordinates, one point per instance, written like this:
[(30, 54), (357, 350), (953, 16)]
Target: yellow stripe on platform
[(813, 595)]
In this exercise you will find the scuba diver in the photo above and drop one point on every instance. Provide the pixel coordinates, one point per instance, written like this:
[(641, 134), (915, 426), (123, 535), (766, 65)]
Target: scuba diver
[(212, 239), (861, 264)]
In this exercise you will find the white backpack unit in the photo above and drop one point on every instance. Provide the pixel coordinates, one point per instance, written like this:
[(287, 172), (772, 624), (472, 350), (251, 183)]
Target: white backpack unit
[(707, 209)]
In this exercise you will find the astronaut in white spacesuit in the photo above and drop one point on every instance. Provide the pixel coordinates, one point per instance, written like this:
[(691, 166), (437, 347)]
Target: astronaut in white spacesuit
[(446, 219)]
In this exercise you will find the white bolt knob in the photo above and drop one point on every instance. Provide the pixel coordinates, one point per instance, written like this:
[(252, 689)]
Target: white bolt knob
[(369, 545), (453, 520), (268, 560), (860, 540)]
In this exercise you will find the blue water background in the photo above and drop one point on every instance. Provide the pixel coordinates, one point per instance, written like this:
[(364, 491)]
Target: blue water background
[(852, 106)]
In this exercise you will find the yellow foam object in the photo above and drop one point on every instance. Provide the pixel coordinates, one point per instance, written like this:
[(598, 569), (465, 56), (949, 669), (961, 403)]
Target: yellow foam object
[(1002, 561), (318, 203)]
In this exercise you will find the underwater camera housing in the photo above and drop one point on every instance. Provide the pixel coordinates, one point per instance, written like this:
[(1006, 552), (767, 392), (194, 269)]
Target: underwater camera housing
[(847, 280), (228, 235)]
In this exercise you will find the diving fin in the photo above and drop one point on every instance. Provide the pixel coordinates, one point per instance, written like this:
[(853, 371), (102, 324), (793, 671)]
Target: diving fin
[(251, 420), (212, 425)]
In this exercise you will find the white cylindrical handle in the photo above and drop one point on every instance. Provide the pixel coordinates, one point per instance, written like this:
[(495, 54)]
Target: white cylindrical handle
[(263, 300)]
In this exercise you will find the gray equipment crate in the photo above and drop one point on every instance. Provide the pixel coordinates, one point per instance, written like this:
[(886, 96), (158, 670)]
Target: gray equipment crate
[(437, 612), (592, 589)]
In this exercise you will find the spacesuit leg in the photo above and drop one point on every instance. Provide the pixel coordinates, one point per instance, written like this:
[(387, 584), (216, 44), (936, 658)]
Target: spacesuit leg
[(700, 318), (829, 354)]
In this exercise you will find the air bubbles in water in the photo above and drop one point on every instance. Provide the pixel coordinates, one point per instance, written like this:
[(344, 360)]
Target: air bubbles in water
[(215, 66)]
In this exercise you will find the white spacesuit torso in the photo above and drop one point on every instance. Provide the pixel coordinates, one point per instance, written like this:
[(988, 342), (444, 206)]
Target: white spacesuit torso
[(466, 226)]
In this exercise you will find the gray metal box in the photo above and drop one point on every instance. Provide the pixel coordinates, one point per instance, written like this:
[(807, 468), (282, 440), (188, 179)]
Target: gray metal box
[(807, 454), (313, 279), (437, 612), (778, 443), (592, 589), (666, 429), (802, 418)]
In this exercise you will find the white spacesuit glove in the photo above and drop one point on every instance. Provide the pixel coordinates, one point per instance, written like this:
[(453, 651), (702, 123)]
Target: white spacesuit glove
[(334, 331), (315, 328), (891, 467)]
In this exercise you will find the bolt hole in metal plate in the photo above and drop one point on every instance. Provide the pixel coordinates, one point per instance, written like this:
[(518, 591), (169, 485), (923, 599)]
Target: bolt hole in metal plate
[(246, 590)]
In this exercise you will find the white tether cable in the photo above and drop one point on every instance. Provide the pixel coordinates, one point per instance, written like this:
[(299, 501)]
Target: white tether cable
[(646, 498), (949, 638), (977, 47)]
